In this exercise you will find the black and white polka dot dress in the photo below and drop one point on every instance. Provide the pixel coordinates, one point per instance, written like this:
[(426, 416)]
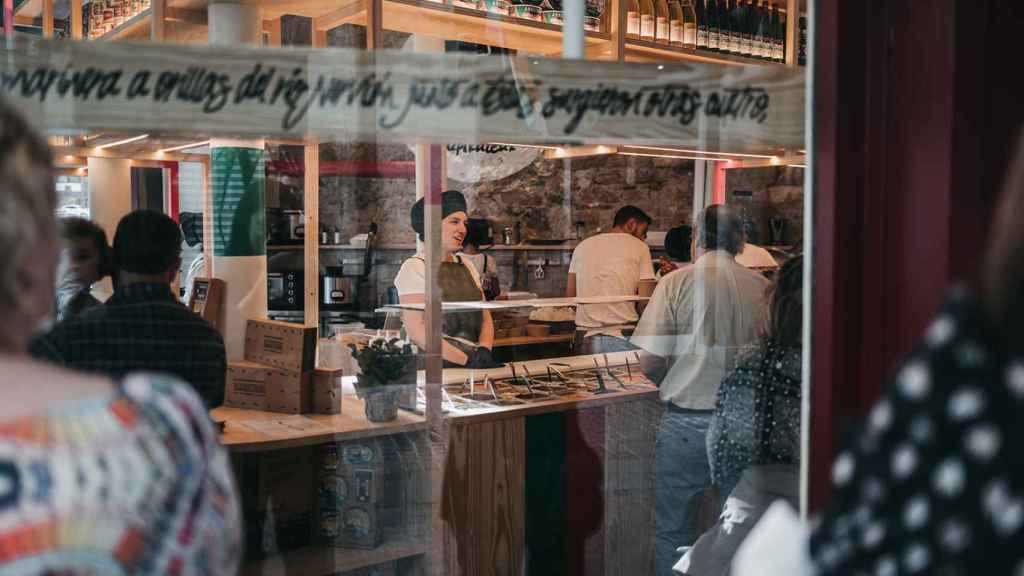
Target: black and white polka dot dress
[(934, 481)]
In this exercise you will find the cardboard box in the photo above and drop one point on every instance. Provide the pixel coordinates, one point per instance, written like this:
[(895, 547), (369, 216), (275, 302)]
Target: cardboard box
[(327, 391), (259, 387), (281, 344)]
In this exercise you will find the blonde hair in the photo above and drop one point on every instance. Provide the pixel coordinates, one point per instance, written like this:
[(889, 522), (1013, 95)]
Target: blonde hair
[(27, 223)]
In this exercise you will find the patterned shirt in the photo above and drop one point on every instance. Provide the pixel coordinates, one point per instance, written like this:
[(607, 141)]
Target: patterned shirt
[(130, 482), (757, 414), (932, 483), (141, 328)]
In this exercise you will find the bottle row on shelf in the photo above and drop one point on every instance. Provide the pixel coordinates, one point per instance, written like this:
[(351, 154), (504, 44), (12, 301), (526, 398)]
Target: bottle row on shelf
[(103, 16), (548, 11), (750, 28)]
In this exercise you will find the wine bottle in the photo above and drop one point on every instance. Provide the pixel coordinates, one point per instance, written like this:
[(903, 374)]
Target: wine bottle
[(743, 15), (662, 19), (724, 27), (632, 19), (761, 34), (675, 22), (738, 32), (714, 32), (689, 24), (647, 20), (801, 47), (701, 15), (781, 42), (775, 33)]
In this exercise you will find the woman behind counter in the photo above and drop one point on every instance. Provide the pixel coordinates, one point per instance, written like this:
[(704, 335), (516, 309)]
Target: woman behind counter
[(467, 337)]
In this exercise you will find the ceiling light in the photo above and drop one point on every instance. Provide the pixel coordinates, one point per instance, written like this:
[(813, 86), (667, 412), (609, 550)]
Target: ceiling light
[(736, 154), (120, 142), (797, 165), (674, 156), (183, 147)]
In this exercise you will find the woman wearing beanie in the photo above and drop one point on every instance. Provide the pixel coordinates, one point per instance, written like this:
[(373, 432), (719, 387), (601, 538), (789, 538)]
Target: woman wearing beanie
[(467, 337)]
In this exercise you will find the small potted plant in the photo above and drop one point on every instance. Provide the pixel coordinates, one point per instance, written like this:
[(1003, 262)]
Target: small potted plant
[(387, 368)]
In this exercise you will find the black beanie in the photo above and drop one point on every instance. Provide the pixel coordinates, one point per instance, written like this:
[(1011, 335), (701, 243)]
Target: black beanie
[(146, 242), (452, 201)]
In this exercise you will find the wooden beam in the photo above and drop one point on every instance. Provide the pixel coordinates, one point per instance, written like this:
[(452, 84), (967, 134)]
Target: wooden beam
[(374, 24), (156, 21), (47, 18), (76, 19), (350, 12), (128, 153), (311, 202), (186, 16)]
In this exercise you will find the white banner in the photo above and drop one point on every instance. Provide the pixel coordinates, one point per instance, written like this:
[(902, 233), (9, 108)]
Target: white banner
[(306, 93)]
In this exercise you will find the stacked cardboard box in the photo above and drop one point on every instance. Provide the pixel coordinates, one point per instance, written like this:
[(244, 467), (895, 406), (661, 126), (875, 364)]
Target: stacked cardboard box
[(276, 374)]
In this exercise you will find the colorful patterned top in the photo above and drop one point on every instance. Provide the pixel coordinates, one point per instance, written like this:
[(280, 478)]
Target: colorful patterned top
[(131, 482)]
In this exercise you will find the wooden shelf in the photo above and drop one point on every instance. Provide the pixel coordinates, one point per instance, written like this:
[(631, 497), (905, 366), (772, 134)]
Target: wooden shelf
[(647, 51), (528, 340), (321, 561), (468, 25), (350, 424), (137, 25)]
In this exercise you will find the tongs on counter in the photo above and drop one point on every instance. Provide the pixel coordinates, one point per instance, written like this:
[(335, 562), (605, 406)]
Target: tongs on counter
[(608, 367)]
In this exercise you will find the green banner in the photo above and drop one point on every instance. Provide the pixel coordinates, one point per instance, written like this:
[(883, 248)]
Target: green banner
[(239, 206)]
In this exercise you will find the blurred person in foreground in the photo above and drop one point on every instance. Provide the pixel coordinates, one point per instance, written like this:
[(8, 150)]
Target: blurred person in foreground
[(96, 476), (143, 326), (754, 436), (698, 322), (84, 261), (931, 482)]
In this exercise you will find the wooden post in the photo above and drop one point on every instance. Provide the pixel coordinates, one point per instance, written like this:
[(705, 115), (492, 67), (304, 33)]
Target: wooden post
[(617, 28), (8, 17), (76, 19), (207, 222), (374, 24), (156, 20), (311, 204), (792, 30), (319, 38), (47, 18)]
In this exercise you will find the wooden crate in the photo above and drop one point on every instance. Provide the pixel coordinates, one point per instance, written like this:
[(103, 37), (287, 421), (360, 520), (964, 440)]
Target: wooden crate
[(260, 387)]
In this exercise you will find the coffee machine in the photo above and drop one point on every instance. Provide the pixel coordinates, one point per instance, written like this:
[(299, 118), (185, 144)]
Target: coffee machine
[(336, 289)]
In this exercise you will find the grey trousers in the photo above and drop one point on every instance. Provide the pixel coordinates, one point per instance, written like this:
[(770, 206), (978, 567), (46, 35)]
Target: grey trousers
[(758, 488)]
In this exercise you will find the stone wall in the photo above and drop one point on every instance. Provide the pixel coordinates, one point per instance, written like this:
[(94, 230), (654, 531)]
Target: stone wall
[(776, 192)]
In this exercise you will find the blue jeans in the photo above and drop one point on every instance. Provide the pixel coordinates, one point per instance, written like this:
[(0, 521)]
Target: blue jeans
[(682, 474)]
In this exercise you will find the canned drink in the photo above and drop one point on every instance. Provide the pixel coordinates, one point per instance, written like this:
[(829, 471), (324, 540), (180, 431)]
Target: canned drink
[(329, 524)]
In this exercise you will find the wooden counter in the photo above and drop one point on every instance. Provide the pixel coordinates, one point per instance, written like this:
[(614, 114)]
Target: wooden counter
[(255, 430), (566, 483)]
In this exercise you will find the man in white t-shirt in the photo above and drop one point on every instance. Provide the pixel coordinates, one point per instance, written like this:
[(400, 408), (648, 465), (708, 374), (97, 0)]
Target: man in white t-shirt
[(615, 263), (754, 256), (697, 323)]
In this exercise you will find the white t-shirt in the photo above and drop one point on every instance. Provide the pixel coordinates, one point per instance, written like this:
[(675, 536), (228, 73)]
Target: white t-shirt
[(753, 256), (701, 318), (611, 264), (411, 278)]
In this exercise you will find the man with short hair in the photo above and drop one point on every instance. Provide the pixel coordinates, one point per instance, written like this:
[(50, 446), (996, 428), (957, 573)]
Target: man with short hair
[(143, 326), (696, 324), (614, 263)]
